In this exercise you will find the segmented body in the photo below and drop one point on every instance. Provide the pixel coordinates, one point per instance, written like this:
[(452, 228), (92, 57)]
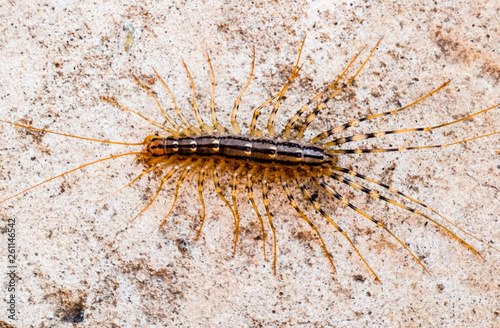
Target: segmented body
[(243, 150), (287, 159)]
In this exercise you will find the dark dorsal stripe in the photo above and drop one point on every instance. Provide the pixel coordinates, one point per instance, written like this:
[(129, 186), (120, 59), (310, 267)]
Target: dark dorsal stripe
[(240, 147)]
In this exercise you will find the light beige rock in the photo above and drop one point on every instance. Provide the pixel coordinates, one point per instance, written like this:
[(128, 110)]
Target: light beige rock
[(75, 255)]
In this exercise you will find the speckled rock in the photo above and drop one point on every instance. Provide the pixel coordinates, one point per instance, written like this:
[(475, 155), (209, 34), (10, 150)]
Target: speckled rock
[(82, 263)]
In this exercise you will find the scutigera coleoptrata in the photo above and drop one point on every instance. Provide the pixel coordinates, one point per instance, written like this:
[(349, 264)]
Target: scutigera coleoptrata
[(289, 161)]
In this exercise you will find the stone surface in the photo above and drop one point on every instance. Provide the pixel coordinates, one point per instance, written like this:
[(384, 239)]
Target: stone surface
[(77, 255)]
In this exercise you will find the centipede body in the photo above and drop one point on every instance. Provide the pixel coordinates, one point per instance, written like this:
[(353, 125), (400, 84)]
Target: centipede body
[(298, 166)]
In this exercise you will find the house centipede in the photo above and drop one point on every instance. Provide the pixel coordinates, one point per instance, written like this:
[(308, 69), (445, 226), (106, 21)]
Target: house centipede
[(288, 160)]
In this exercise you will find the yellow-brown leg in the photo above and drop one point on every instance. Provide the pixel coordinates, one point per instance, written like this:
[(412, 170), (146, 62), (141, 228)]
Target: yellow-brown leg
[(234, 185), (343, 140), (293, 203), (322, 105), (288, 128), (190, 129), (316, 205), (205, 127), (169, 174), (250, 196), (346, 202), (152, 168), (173, 132), (377, 195), (265, 200), (201, 178), (167, 117), (213, 114), (253, 130), (403, 149), (397, 192), (355, 122), (179, 182), (215, 177), (295, 72), (234, 123)]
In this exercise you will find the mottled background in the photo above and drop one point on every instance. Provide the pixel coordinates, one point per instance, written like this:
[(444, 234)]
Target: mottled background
[(58, 58)]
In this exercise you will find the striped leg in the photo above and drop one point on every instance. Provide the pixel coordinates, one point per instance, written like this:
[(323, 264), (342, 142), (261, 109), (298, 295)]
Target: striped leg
[(265, 200), (255, 132), (346, 202), (403, 149), (293, 203), (316, 205), (250, 196), (234, 123), (343, 140), (295, 72), (205, 127), (397, 192), (173, 132), (213, 114), (167, 117), (291, 123), (201, 178), (179, 182), (234, 185), (169, 174), (191, 130), (322, 104), (375, 194), (337, 129), (215, 178)]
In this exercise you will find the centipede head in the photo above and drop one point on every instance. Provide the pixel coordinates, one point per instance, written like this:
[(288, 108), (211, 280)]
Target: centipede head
[(153, 153)]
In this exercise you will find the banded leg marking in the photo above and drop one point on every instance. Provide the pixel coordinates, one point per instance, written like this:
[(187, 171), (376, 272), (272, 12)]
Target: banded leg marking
[(345, 202), (173, 132), (337, 129), (167, 117), (234, 185), (255, 132), (191, 129), (213, 114), (293, 203), (205, 127), (265, 200), (315, 204), (395, 191), (179, 182), (322, 104), (380, 134), (375, 194), (215, 178), (201, 178), (250, 196), (403, 149), (295, 72), (234, 123), (291, 123)]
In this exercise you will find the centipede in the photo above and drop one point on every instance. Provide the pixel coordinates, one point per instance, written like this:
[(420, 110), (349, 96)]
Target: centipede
[(260, 158)]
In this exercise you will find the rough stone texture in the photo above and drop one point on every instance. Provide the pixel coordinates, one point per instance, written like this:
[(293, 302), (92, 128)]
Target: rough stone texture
[(75, 255)]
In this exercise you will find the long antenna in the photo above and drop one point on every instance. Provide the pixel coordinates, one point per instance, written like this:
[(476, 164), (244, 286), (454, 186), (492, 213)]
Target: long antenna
[(72, 136), (73, 170)]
